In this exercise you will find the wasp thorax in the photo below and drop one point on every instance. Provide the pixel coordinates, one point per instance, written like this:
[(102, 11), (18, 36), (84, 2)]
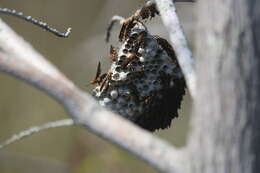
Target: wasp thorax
[(146, 83)]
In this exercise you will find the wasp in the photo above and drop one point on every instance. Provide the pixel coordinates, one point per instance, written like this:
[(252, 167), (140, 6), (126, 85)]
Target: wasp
[(98, 78), (113, 53), (148, 10), (105, 83), (102, 80), (130, 57)]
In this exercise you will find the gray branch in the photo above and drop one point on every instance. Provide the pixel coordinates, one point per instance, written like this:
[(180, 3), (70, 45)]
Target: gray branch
[(19, 59), (186, 60), (36, 129)]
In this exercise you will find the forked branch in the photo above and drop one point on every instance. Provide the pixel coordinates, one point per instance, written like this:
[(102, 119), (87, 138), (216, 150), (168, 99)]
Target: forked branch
[(19, 59)]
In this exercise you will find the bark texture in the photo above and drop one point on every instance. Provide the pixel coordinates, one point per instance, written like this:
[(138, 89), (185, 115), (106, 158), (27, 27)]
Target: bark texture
[(225, 135)]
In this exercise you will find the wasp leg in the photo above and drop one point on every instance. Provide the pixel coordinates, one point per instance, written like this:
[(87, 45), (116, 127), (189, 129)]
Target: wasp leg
[(122, 32), (113, 53), (101, 78), (103, 83), (95, 80)]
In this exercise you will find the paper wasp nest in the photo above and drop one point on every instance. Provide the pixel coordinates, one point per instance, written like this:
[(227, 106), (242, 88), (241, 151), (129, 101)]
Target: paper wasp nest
[(144, 83)]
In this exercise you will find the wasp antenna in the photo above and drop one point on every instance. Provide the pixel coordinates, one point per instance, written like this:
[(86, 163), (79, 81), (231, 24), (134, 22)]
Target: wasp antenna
[(112, 22), (34, 21)]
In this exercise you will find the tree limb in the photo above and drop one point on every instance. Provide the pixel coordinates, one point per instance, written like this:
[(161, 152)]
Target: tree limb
[(19, 59), (186, 60)]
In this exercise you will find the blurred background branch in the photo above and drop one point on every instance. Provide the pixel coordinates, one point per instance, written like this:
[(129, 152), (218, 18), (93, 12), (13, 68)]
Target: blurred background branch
[(36, 129)]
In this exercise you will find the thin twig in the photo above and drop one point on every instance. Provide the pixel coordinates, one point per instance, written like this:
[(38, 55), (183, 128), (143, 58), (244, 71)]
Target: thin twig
[(36, 129), (186, 60), (19, 59), (36, 22)]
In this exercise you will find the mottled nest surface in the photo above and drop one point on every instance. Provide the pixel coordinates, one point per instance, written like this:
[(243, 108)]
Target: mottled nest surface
[(144, 83)]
